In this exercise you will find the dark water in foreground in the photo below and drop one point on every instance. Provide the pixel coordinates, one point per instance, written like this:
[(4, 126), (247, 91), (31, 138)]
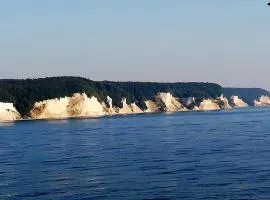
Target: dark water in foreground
[(209, 155)]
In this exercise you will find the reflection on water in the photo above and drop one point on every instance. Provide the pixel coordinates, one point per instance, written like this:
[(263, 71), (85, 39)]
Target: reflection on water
[(57, 121), (7, 123)]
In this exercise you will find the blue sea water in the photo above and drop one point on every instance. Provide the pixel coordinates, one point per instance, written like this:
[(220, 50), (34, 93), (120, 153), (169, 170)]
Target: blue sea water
[(190, 155)]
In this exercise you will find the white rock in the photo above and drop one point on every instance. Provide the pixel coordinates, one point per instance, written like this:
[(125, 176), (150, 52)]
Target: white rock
[(170, 102), (79, 105), (225, 102), (263, 101), (109, 101), (126, 109), (8, 112), (151, 106), (209, 104), (52, 108), (135, 108), (84, 106), (236, 102)]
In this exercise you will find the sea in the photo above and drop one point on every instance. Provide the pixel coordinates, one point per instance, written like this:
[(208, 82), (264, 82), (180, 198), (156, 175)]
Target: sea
[(185, 155)]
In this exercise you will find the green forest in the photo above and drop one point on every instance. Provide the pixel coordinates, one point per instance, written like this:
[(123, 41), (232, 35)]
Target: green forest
[(24, 93), (247, 94)]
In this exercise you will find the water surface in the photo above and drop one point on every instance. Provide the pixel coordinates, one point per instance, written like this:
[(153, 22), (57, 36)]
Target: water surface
[(191, 155)]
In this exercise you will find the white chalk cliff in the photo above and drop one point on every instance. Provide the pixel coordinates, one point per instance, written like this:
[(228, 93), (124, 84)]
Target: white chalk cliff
[(52, 108), (262, 101), (135, 108), (170, 102), (223, 102), (8, 112), (109, 101), (79, 105), (129, 109), (151, 106), (82, 106), (213, 104), (109, 110), (236, 102), (207, 104), (126, 109)]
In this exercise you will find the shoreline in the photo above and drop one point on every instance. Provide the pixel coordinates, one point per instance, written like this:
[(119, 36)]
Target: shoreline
[(80, 106), (127, 114)]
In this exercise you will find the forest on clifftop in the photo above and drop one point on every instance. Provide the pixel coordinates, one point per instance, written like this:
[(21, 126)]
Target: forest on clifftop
[(24, 93)]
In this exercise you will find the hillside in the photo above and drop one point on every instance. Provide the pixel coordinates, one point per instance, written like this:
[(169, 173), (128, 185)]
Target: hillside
[(247, 94), (24, 93)]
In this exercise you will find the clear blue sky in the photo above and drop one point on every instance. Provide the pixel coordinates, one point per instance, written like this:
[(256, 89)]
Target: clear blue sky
[(223, 41)]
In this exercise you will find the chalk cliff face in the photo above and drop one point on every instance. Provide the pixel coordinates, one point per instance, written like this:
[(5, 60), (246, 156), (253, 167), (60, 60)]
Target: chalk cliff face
[(196, 108), (109, 101), (263, 101), (213, 104), (82, 106), (52, 108), (208, 104), (223, 102), (236, 102), (79, 105), (126, 109), (109, 110), (129, 109), (8, 112), (135, 108), (170, 103), (151, 106)]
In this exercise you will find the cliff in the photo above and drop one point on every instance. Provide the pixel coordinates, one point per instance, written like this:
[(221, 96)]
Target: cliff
[(151, 106), (207, 104), (169, 103), (248, 95), (129, 109), (79, 105), (61, 97), (262, 101), (213, 104), (223, 102), (8, 112), (236, 102), (25, 93), (51, 108)]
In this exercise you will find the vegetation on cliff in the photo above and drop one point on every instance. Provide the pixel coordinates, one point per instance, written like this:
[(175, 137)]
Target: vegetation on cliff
[(24, 93), (247, 94)]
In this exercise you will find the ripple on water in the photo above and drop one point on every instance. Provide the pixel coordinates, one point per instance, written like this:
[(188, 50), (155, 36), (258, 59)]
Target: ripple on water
[(213, 155)]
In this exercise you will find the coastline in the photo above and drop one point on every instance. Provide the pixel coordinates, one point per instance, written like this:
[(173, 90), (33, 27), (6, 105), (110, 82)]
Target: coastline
[(58, 98), (129, 114)]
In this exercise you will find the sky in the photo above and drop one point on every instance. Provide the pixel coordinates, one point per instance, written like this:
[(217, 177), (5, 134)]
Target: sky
[(224, 41)]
